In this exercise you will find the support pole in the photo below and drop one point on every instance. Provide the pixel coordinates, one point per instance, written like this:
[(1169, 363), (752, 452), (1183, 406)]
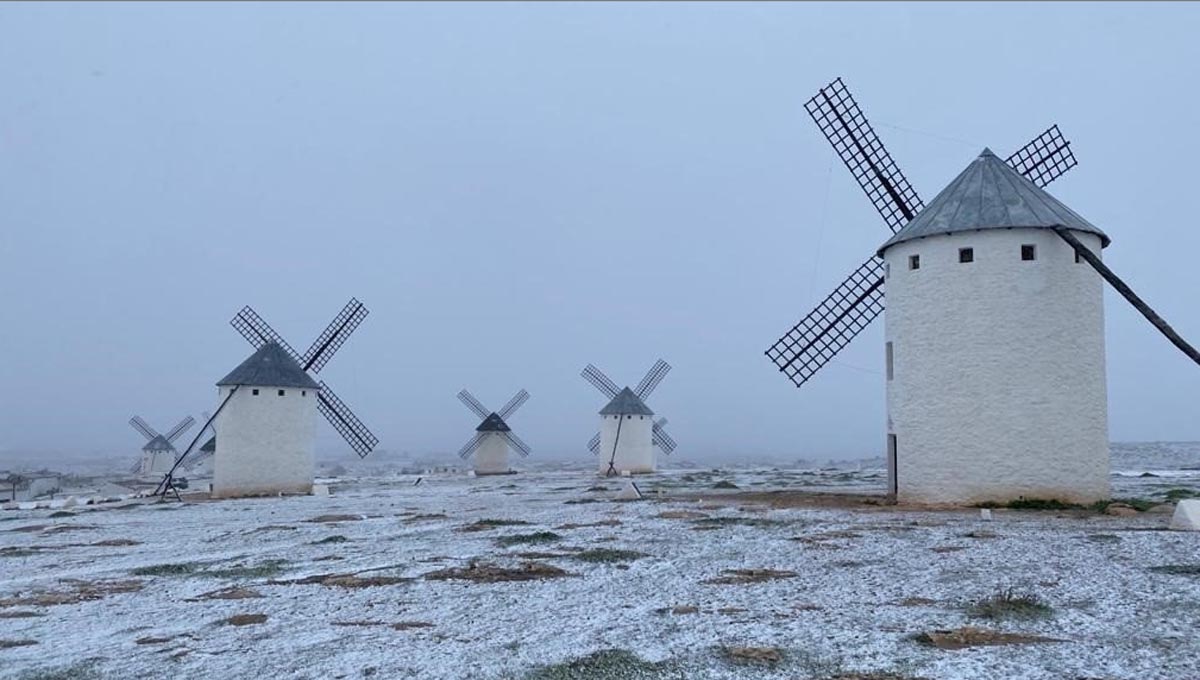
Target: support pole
[(168, 481), (1138, 304)]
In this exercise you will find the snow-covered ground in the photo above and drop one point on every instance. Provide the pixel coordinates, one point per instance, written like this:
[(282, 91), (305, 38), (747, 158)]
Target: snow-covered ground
[(866, 579)]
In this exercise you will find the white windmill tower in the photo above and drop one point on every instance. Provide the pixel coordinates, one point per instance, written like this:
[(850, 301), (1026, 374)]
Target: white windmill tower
[(159, 453), (493, 437), (628, 431), (265, 424), (995, 345)]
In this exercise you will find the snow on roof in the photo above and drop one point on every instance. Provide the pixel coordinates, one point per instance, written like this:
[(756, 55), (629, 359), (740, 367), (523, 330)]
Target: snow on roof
[(989, 194), (270, 366)]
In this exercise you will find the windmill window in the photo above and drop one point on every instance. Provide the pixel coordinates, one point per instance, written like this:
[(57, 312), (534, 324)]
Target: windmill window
[(1077, 257), (889, 360), (966, 255), (254, 392), (1028, 252), (914, 261), (281, 393), (304, 393), (887, 269)]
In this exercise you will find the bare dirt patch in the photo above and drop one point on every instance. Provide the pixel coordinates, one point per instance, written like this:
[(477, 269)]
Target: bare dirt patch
[(116, 543), (961, 638), (752, 655), (20, 614), (333, 519), (231, 593), (244, 620), (410, 625), (483, 572), (77, 591), (588, 525), (488, 524), (744, 576), (681, 514), (343, 581)]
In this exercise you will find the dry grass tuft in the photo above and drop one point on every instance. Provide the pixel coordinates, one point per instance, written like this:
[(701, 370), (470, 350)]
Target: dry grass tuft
[(343, 581), (916, 602), (482, 572), (588, 525), (743, 576), (332, 519), (1010, 604), (244, 620), (682, 514), (150, 640), (231, 593), (948, 548), (487, 524), (961, 638), (80, 591), (603, 555), (116, 543), (752, 655), (525, 539)]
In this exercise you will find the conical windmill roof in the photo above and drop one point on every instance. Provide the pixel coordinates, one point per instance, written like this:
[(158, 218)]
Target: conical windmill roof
[(270, 366), (159, 443), (989, 194), (626, 403), (493, 423)]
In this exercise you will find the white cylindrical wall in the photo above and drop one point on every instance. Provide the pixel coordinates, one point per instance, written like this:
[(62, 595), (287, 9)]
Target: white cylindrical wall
[(155, 464), (266, 441), (634, 447), (491, 458), (996, 376)]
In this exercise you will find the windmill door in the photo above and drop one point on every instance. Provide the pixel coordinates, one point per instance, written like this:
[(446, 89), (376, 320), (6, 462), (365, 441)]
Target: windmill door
[(893, 484)]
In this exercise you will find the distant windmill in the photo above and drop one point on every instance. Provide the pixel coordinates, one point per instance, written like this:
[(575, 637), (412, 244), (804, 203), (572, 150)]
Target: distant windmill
[(628, 432), (995, 332), (493, 437), (159, 454)]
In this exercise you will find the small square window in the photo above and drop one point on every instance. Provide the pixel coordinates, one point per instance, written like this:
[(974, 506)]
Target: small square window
[(304, 393), (1028, 252), (914, 261), (966, 255), (281, 393), (887, 269), (1078, 259), (254, 392), (890, 370)]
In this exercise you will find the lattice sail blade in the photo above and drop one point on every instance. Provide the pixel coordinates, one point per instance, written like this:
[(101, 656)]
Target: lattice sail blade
[(345, 422), (472, 403), (1044, 159), (334, 336), (653, 377), (600, 381), (258, 332), (594, 444), (660, 437), (180, 429), (143, 427), (513, 404), (514, 441), (469, 448), (832, 325), (842, 122)]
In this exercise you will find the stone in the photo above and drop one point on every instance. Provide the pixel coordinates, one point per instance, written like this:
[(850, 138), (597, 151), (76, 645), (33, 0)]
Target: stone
[(1187, 516), (985, 515), (1162, 509), (1120, 510), (321, 490)]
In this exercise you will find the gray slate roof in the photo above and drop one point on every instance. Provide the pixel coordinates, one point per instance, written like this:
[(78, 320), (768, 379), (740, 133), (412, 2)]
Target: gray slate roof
[(626, 403), (989, 194), (159, 443), (493, 423), (270, 366)]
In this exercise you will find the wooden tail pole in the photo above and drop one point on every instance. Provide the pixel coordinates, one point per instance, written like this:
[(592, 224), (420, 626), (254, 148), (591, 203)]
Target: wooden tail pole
[(168, 480), (1138, 304)]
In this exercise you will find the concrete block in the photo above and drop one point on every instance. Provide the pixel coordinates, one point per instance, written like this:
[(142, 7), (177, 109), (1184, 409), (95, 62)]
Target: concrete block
[(321, 490)]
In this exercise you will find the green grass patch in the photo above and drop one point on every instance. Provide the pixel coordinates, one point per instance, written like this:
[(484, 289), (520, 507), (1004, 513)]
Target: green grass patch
[(336, 538), (174, 569), (1009, 603), (605, 555), (526, 539), (735, 521), (1180, 494), (607, 664), (491, 523), (265, 569), (1178, 569)]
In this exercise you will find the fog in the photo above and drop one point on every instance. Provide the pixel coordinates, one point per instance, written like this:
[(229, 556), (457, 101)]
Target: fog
[(517, 190)]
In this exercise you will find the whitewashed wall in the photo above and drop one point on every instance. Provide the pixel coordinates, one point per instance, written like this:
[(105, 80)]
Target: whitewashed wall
[(491, 458), (155, 464), (635, 450), (998, 387), (265, 442)]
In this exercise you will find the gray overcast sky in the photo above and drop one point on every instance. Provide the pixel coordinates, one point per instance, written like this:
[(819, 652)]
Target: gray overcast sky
[(517, 190)]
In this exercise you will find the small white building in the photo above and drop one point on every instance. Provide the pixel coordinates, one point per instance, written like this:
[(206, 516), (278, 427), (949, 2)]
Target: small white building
[(491, 454), (158, 457), (267, 429), (626, 436), (994, 347)]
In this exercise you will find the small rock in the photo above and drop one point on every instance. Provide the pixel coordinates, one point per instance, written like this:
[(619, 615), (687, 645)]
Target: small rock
[(1162, 509), (1120, 510), (245, 619), (985, 514), (320, 490)]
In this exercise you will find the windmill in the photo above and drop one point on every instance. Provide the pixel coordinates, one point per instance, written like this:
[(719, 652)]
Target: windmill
[(258, 333), (493, 437), (159, 454), (628, 432), (994, 336)]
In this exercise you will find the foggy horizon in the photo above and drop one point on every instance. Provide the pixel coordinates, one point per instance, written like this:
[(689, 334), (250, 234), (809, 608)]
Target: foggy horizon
[(516, 191)]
